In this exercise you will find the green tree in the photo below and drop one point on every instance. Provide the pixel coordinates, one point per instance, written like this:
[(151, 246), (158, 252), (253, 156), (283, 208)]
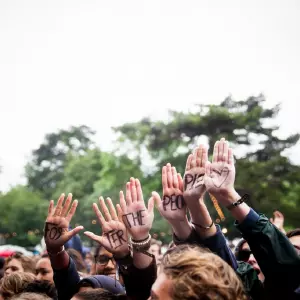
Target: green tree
[(22, 216), (46, 168), (262, 169)]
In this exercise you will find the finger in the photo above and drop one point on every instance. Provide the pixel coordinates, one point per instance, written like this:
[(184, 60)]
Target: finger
[(74, 231), (225, 152), (120, 213), (156, 198), (58, 207), (112, 209), (230, 156), (194, 161), (133, 190), (175, 178), (164, 178), (216, 152), (72, 211), (199, 156), (99, 215), (66, 207), (204, 158), (180, 181), (139, 190), (221, 149), (94, 237), (128, 194), (104, 209), (169, 176), (51, 208), (122, 202), (188, 162), (150, 205)]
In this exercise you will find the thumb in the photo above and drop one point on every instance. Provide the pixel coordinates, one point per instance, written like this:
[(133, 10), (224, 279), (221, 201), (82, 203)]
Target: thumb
[(74, 231), (94, 237), (150, 205), (156, 198), (208, 168)]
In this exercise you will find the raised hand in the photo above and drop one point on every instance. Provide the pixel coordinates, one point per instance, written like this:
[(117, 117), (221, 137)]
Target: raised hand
[(114, 235), (194, 187), (278, 220), (220, 174), (172, 206), (56, 232), (137, 218)]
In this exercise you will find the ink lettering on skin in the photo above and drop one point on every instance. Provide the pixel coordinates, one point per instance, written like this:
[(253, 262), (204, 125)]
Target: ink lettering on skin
[(135, 219), (174, 202), (193, 181), (115, 238), (221, 177), (52, 231)]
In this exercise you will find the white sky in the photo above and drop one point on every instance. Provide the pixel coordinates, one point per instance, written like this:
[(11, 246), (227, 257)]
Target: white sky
[(102, 63)]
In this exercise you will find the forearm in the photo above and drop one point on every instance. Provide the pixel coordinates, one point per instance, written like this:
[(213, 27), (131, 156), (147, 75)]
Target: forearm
[(60, 261)]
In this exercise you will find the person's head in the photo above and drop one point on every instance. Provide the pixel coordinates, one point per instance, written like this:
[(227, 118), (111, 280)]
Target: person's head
[(41, 287), (155, 249), (100, 281), (104, 263), (30, 296), (43, 269), (194, 273), (78, 260), (98, 294), (19, 263), (294, 237), (15, 283), (244, 253)]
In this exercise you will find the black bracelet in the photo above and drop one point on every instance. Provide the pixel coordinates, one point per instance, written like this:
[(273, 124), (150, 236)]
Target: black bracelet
[(204, 227), (238, 202)]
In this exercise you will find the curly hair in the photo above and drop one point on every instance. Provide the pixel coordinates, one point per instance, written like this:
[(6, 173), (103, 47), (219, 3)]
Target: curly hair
[(198, 274), (15, 283), (27, 263)]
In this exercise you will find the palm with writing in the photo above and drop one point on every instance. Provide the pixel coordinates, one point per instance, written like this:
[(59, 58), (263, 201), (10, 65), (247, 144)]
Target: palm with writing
[(172, 207), (114, 235), (194, 187), (136, 216), (220, 174), (56, 232)]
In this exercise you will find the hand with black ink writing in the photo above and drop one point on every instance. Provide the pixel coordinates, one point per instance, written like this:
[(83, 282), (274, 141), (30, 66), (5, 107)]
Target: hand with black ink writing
[(136, 216), (172, 206), (194, 188), (220, 174), (56, 232), (114, 234)]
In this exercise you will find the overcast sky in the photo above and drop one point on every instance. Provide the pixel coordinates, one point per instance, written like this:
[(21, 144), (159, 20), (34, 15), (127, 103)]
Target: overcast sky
[(103, 63)]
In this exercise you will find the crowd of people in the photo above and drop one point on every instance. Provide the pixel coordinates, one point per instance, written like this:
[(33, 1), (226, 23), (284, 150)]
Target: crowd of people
[(198, 264)]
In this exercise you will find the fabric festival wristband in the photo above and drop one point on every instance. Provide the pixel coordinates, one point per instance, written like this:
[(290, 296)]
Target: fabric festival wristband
[(237, 203)]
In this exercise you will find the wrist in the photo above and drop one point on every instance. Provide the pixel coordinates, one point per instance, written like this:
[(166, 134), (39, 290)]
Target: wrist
[(55, 250), (121, 255), (140, 237)]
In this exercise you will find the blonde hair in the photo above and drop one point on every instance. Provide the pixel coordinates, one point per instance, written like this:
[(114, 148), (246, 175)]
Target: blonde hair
[(27, 263), (30, 296), (15, 283), (199, 274)]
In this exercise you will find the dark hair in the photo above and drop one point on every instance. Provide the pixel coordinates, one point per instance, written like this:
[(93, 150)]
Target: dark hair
[(41, 287), (99, 294), (293, 232), (45, 255), (78, 260)]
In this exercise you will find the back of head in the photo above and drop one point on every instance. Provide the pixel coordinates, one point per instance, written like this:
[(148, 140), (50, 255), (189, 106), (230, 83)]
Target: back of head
[(98, 294), (30, 296), (41, 287), (199, 274), (15, 283), (78, 260)]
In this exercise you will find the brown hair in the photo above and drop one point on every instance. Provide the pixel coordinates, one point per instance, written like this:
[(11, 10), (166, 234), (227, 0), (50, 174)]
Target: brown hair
[(99, 294), (293, 232), (30, 296), (28, 263), (78, 260), (15, 283), (199, 274)]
